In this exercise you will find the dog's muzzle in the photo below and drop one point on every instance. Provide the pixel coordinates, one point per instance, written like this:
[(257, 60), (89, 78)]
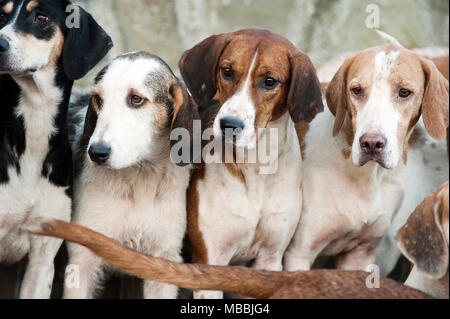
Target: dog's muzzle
[(231, 128), (100, 153), (372, 148)]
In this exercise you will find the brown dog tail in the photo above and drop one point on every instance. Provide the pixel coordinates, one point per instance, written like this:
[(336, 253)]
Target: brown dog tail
[(199, 277)]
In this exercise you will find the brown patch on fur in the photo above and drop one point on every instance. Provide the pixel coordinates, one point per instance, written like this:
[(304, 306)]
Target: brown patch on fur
[(302, 129), (346, 153), (200, 253), (8, 8), (32, 5), (246, 282), (176, 95), (423, 239)]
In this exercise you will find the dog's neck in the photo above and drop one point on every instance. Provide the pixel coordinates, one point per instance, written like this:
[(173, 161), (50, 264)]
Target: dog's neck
[(48, 85)]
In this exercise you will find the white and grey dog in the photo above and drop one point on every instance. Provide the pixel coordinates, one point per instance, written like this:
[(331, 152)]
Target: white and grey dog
[(127, 186)]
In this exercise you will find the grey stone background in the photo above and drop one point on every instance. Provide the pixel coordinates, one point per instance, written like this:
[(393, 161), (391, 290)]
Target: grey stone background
[(320, 28)]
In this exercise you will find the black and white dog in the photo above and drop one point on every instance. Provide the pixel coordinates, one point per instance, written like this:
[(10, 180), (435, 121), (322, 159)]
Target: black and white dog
[(41, 55)]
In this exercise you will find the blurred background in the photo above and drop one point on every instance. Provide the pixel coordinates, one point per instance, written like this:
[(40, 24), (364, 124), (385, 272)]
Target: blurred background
[(320, 28)]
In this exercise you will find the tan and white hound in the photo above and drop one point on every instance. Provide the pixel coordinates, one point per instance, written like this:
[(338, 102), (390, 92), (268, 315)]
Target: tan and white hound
[(356, 153), (236, 213)]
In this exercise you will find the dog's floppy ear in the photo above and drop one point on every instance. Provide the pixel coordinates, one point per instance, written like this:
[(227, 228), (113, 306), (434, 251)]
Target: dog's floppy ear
[(336, 96), (435, 101), (305, 97), (185, 113), (198, 67), (90, 123), (84, 46), (423, 238)]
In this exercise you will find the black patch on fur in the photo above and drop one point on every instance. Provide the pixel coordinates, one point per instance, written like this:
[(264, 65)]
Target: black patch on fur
[(12, 130), (58, 166)]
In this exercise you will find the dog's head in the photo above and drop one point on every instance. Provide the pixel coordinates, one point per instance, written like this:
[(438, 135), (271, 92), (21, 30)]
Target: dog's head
[(257, 75), (425, 237), (38, 33), (378, 96), (131, 111)]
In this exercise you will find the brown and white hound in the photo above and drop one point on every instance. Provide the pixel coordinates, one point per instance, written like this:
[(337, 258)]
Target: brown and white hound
[(424, 241), (356, 153), (236, 212), (260, 284)]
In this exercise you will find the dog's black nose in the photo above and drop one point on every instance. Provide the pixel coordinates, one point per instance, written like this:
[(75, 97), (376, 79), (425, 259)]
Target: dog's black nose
[(99, 153), (231, 123), (373, 144), (4, 45)]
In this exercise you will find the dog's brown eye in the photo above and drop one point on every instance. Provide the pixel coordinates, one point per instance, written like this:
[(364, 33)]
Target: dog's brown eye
[(136, 100), (404, 93), (270, 83), (227, 73), (41, 18), (357, 91)]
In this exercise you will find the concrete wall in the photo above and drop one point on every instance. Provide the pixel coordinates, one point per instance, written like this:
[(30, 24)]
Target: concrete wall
[(320, 28)]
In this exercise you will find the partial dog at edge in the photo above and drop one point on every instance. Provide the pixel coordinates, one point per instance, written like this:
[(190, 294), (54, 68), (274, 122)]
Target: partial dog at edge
[(424, 241), (40, 58)]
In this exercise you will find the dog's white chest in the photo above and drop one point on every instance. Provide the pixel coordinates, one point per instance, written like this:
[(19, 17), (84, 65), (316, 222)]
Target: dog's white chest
[(24, 189)]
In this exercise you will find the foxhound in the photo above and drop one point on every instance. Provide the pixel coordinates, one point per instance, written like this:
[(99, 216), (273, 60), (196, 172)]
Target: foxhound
[(237, 211), (127, 186), (356, 154), (427, 166), (40, 58)]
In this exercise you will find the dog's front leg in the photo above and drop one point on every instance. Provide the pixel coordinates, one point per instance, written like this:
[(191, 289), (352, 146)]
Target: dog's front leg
[(38, 279), (83, 273)]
